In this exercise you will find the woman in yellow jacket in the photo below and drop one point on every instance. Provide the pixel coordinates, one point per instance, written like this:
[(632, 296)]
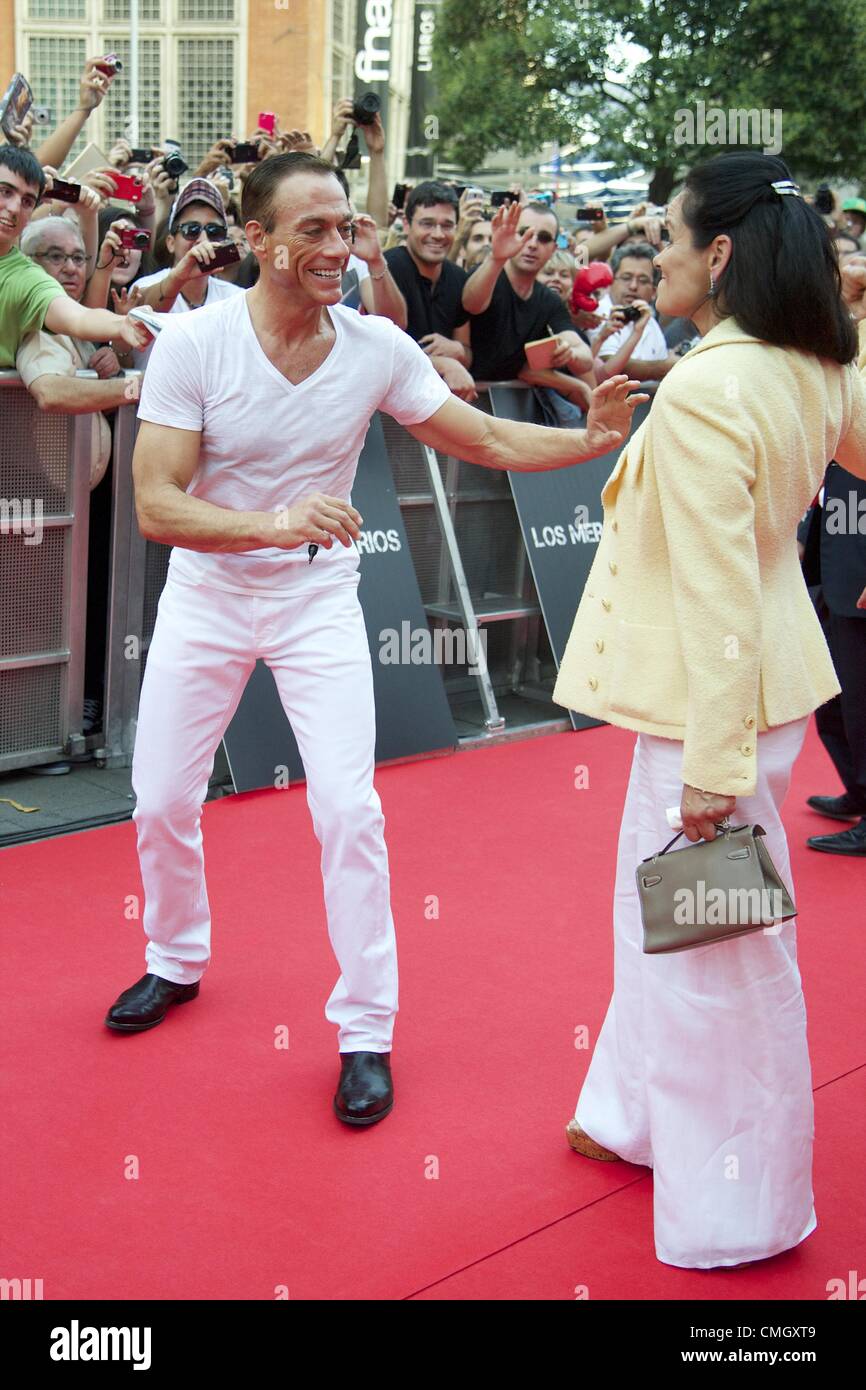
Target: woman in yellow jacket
[(696, 630)]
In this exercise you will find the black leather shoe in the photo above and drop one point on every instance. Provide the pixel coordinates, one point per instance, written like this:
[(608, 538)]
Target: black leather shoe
[(365, 1094), (842, 807), (146, 1003), (851, 841)]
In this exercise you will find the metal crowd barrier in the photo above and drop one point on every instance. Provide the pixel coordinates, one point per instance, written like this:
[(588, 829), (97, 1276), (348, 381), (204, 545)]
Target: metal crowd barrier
[(44, 518), (463, 535)]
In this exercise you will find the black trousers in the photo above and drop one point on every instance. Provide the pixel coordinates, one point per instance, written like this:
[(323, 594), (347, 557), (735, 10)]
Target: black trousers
[(842, 721)]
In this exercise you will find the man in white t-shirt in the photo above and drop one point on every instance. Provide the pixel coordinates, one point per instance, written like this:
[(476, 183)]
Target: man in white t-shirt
[(637, 346), (253, 414), (197, 220)]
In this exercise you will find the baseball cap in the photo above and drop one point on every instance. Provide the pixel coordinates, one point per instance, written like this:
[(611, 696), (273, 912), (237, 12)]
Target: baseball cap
[(197, 191), (854, 205)]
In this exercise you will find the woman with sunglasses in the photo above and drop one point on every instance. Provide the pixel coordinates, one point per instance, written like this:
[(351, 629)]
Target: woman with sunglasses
[(696, 630)]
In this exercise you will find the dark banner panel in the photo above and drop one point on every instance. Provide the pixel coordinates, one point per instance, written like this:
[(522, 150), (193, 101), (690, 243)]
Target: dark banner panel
[(560, 516), (412, 712), (423, 129)]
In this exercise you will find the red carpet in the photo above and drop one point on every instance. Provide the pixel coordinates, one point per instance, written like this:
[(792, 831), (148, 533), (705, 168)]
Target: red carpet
[(246, 1181)]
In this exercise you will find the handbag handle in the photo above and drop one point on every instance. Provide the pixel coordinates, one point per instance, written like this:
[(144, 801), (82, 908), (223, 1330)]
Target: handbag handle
[(723, 825)]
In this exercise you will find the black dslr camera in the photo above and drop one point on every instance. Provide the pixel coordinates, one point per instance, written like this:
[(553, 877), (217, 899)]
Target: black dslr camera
[(365, 108)]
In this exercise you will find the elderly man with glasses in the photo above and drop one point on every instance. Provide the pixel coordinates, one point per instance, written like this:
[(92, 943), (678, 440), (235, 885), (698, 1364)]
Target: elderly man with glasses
[(47, 362)]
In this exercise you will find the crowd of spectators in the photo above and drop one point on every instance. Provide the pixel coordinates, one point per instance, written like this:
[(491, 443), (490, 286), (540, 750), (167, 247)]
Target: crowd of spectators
[(473, 277)]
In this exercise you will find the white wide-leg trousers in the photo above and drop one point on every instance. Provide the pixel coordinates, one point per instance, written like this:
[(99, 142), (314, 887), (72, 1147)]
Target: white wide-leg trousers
[(204, 647), (701, 1069)]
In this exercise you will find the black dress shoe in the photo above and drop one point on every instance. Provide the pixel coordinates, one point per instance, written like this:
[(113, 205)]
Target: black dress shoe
[(851, 841), (842, 807), (365, 1094), (146, 1003)]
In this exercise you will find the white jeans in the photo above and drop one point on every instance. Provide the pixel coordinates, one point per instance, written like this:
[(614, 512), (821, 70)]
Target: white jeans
[(204, 647), (701, 1069)]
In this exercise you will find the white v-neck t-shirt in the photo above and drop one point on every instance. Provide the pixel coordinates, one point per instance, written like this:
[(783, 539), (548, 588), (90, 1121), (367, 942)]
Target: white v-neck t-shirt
[(265, 443)]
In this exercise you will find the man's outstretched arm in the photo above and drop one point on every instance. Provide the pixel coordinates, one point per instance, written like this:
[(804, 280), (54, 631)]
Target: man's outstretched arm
[(458, 429)]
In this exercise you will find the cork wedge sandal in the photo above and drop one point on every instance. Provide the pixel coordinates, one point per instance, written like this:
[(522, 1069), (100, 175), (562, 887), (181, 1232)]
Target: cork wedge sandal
[(582, 1144)]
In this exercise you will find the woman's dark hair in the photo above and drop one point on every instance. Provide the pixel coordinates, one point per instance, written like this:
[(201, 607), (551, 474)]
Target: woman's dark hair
[(782, 281)]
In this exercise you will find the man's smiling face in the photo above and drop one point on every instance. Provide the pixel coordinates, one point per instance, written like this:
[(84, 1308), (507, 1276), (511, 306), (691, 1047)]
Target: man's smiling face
[(18, 198), (310, 239)]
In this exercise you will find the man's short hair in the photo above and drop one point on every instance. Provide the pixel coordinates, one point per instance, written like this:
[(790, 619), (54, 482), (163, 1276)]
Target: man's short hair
[(40, 231), (259, 195), (430, 194), (24, 163), (641, 251), (544, 208)]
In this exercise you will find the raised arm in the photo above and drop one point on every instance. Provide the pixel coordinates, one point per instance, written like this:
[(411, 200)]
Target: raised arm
[(458, 429), (478, 290), (851, 449)]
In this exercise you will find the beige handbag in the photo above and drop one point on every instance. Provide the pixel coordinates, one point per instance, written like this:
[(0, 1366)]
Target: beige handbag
[(710, 891)]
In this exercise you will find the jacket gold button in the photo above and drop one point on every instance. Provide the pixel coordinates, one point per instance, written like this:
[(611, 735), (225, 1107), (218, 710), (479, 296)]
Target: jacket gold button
[(605, 603), (747, 750), (611, 566), (749, 721), (614, 525), (593, 683), (599, 644)]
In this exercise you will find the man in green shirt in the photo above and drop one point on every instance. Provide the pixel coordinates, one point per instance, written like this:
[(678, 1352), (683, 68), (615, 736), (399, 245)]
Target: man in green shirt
[(29, 297)]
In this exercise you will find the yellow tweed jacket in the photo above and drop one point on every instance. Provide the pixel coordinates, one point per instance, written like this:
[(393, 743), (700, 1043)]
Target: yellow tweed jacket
[(696, 623)]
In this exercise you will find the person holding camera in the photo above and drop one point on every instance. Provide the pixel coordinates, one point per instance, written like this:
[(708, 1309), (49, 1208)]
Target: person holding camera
[(363, 113), (196, 221), (631, 339)]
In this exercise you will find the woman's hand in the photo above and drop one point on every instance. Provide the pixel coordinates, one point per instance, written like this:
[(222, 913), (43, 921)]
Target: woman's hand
[(854, 286), (610, 412), (127, 298), (701, 811)]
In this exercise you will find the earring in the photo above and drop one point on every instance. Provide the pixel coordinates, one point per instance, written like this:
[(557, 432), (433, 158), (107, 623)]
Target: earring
[(712, 286)]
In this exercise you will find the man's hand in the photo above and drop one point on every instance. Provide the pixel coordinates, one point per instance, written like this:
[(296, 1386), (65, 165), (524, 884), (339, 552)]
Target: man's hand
[(101, 181), (104, 362), (20, 134), (374, 135), (120, 154), (566, 356), (293, 141), (218, 155), (471, 206), (507, 241), (436, 346), (701, 811), (854, 286), (196, 261), (861, 602), (366, 244), (649, 227), (93, 86), (618, 319), (317, 519), (610, 413), (133, 333), (342, 116), (456, 378)]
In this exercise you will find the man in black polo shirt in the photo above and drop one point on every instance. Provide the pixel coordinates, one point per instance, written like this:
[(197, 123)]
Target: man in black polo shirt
[(511, 309), (432, 285)]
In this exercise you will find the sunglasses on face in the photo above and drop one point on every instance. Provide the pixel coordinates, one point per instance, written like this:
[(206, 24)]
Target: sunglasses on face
[(192, 230), (545, 238)]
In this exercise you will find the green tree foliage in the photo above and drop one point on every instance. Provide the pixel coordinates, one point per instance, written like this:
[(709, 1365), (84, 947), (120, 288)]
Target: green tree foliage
[(520, 73)]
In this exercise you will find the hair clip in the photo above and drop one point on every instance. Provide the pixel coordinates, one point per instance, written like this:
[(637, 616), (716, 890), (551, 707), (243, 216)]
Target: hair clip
[(786, 186)]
